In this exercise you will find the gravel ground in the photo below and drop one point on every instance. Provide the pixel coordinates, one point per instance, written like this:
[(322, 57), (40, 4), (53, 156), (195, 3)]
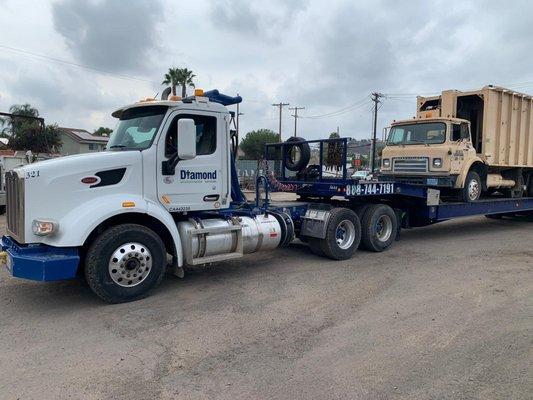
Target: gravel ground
[(444, 314)]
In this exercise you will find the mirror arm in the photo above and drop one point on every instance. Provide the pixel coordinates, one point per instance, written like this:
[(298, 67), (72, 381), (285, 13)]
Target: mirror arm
[(169, 166)]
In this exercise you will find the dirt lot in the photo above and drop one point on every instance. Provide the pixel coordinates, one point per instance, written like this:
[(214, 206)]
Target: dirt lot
[(445, 314)]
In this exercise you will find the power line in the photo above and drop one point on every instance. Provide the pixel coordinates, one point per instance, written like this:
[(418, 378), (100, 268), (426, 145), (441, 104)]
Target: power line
[(280, 105), (73, 64), (341, 111), (295, 115)]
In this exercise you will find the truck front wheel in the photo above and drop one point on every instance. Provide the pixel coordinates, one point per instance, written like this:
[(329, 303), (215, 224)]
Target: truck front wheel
[(125, 263), (472, 188)]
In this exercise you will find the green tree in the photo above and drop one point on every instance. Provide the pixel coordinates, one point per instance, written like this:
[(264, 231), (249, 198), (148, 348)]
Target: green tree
[(254, 142), (334, 135), (27, 133), (179, 77), (103, 131)]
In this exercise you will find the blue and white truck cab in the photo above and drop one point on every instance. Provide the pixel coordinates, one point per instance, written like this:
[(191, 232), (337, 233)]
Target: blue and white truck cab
[(117, 214)]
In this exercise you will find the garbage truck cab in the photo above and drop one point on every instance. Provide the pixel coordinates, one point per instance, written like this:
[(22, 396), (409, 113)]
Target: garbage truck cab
[(470, 142)]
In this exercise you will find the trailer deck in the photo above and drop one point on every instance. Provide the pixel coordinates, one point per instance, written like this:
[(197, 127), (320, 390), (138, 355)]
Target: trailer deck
[(421, 205)]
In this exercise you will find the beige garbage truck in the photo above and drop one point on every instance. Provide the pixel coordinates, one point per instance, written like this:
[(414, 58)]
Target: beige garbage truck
[(470, 142)]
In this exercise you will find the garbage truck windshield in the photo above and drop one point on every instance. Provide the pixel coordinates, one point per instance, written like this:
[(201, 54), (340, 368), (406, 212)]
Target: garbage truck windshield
[(136, 128), (421, 133)]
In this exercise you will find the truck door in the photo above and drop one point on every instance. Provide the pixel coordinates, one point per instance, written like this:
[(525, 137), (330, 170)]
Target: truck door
[(461, 147), (199, 183)]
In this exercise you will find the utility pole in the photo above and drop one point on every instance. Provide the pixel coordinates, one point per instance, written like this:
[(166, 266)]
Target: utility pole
[(296, 108), (280, 105), (237, 120), (375, 98)]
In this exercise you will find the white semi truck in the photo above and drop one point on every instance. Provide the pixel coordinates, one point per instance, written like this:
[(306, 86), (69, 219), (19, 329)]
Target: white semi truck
[(165, 193)]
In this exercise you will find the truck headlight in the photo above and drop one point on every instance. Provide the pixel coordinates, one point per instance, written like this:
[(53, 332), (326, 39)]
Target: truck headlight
[(44, 227), (437, 162), (386, 163)]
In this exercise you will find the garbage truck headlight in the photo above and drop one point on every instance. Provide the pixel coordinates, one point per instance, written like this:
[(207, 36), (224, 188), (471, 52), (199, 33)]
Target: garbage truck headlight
[(386, 163), (437, 162), (44, 227)]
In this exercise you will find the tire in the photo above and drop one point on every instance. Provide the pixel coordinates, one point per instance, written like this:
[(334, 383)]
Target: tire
[(379, 226), (360, 210), (305, 154), (471, 190), (343, 234), (139, 268), (2, 210)]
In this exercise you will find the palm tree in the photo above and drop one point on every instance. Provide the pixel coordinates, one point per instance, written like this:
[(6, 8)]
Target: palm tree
[(179, 76), (185, 80), (172, 79)]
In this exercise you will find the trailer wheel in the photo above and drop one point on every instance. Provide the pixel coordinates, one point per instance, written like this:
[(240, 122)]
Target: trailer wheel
[(379, 227), (125, 263), (472, 188), (343, 234)]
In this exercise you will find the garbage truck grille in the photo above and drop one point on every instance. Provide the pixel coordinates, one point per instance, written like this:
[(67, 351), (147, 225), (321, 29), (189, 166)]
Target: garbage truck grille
[(15, 205), (410, 164)]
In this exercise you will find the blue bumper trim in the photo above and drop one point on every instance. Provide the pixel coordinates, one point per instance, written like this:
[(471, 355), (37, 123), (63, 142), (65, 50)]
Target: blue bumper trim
[(40, 262)]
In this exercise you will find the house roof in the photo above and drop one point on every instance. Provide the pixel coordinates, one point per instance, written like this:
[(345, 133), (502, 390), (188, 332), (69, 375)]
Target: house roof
[(82, 136)]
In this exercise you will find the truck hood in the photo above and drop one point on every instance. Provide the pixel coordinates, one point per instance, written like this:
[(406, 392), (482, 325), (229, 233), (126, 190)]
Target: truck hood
[(53, 188), (82, 162)]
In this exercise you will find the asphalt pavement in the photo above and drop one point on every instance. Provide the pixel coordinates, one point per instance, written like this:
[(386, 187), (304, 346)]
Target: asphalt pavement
[(444, 314)]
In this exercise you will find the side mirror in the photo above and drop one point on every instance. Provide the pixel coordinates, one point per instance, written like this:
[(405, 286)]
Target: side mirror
[(186, 139), (186, 143)]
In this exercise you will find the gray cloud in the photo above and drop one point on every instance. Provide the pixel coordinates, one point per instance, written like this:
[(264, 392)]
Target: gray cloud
[(260, 19), (113, 35), (322, 55)]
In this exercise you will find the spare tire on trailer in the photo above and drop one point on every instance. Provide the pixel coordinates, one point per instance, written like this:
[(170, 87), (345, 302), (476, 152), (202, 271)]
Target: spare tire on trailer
[(305, 154)]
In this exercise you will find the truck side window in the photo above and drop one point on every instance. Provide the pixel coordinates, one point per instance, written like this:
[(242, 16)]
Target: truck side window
[(465, 133), (456, 132), (206, 134)]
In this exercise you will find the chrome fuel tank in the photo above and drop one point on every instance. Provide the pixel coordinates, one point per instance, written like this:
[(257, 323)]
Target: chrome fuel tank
[(207, 238)]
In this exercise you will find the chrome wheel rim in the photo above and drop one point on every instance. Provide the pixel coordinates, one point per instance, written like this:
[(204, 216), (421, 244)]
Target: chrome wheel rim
[(384, 228), (473, 189), (345, 234), (130, 264)]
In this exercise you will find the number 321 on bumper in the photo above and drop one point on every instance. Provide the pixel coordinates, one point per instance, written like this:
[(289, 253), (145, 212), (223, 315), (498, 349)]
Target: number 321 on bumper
[(369, 189)]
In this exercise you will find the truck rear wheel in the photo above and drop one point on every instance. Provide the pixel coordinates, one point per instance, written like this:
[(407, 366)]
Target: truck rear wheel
[(472, 188), (379, 227), (125, 263), (343, 234)]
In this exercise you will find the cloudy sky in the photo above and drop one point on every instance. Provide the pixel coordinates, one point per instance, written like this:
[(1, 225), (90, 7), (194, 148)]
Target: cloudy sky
[(76, 61)]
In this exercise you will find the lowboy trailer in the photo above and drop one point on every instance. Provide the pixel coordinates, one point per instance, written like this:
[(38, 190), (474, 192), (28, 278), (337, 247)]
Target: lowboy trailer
[(166, 188)]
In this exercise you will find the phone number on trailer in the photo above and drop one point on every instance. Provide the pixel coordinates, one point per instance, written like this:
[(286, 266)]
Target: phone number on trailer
[(366, 189)]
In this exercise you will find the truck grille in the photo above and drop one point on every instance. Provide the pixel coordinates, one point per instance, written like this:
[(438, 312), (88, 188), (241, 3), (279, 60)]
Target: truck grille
[(15, 205), (410, 164)]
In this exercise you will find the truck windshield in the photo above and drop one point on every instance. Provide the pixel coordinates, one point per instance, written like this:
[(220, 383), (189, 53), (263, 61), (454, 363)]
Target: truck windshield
[(426, 133), (136, 128)]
